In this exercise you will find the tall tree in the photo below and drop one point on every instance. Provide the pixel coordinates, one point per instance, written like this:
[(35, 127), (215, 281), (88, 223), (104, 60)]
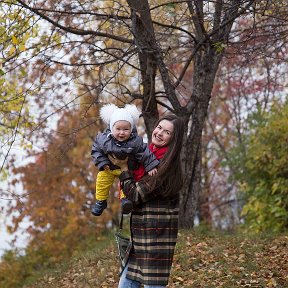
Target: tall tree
[(16, 28), (264, 177), (245, 84), (140, 39), (58, 183)]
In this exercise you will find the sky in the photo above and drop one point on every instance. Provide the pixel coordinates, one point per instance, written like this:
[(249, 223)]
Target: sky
[(5, 236)]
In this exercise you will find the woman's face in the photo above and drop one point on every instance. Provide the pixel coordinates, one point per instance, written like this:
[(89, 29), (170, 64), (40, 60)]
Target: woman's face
[(162, 134)]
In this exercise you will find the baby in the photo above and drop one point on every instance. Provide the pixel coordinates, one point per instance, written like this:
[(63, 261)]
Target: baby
[(120, 139)]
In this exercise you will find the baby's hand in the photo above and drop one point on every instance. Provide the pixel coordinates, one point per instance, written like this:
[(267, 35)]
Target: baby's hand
[(106, 167), (153, 172)]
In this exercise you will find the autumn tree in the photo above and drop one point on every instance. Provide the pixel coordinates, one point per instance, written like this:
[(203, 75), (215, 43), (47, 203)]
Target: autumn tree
[(131, 46), (245, 85), (264, 177), (16, 27), (59, 184), (58, 188)]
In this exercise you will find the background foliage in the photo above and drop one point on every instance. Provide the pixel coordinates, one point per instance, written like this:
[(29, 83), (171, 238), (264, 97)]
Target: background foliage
[(264, 177), (219, 65)]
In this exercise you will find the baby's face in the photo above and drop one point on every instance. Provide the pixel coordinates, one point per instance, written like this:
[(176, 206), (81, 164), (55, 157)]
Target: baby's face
[(121, 130)]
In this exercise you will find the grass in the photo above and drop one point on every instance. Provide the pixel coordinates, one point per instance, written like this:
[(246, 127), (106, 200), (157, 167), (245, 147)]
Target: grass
[(202, 259)]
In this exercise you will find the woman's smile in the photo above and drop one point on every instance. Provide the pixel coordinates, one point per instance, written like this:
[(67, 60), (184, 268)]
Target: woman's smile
[(162, 134)]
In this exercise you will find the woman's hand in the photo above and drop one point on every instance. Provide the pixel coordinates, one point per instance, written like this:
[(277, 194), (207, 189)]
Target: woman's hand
[(118, 162)]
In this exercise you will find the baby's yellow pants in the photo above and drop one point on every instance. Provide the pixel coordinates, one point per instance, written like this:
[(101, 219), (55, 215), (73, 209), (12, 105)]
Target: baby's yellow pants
[(104, 181)]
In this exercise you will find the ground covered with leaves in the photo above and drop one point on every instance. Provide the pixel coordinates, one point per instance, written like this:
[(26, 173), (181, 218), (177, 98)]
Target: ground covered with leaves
[(201, 260)]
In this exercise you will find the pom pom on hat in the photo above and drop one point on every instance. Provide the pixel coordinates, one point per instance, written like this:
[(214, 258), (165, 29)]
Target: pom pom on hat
[(110, 114), (106, 111)]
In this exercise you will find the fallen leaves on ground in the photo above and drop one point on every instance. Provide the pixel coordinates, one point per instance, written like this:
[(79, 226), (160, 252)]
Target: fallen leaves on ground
[(230, 261), (200, 261)]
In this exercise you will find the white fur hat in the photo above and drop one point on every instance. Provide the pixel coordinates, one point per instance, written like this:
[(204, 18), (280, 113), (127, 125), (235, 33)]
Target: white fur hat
[(110, 114)]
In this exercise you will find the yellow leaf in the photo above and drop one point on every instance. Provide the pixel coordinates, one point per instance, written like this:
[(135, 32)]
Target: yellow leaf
[(11, 51), (22, 47), (109, 42), (106, 25), (272, 283), (15, 40)]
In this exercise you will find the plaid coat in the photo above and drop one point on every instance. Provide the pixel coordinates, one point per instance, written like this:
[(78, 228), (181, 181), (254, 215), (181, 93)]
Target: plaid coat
[(154, 227)]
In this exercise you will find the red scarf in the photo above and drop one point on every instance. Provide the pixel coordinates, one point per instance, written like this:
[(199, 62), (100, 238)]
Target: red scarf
[(159, 152)]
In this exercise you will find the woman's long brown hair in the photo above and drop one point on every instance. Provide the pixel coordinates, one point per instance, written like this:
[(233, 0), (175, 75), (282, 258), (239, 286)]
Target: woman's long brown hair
[(168, 181)]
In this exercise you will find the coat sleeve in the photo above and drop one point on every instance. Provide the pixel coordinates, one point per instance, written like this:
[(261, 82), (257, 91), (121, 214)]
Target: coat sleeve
[(137, 192), (99, 158), (145, 156)]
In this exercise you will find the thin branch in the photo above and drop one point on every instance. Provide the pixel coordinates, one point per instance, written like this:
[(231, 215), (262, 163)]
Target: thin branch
[(6, 126), (117, 58), (75, 30), (167, 3), (176, 28), (166, 106), (100, 15), (207, 38), (15, 133)]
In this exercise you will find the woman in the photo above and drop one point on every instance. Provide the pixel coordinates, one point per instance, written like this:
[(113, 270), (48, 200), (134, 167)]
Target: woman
[(154, 219)]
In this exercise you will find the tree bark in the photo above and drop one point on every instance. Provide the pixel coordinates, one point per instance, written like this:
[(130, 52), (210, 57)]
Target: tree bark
[(144, 37), (204, 197), (206, 63)]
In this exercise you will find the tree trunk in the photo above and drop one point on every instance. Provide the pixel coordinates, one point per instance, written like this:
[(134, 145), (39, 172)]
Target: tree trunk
[(149, 105), (204, 197), (206, 62), (205, 67), (144, 37)]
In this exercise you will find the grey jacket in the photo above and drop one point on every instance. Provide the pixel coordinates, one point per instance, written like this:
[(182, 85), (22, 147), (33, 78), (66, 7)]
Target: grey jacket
[(136, 150)]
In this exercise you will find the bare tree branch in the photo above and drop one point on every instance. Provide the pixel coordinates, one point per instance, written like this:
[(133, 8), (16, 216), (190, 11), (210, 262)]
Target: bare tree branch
[(73, 30)]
